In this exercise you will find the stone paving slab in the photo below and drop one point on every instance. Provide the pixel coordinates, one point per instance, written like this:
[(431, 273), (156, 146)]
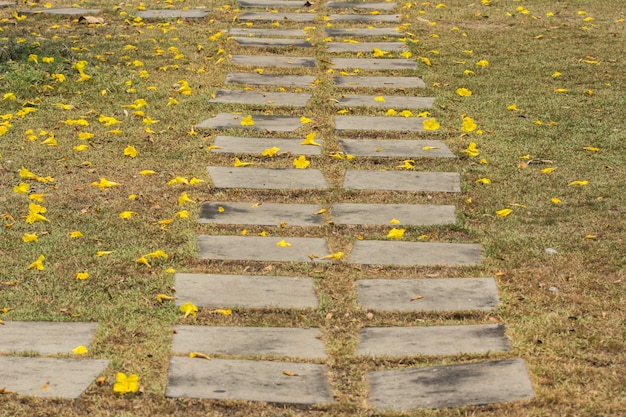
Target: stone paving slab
[(274, 61), (261, 122), (393, 102), (385, 123), (271, 3), (432, 340), (267, 178), (253, 341), (451, 385), (445, 182), (7, 3), (291, 33), (389, 148), (381, 214), (245, 291), (272, 42), (234, 144), (373, 63), (383, 252), (266, 214), (338, 47), (379, 82), (261, 248), (267, 381), (370, 31), (361, 5), (45, 338), (49, 377), (62, 11), (172, 14), (275, 17), (270, 79), (265, 98), (365, 18), (440, 294)]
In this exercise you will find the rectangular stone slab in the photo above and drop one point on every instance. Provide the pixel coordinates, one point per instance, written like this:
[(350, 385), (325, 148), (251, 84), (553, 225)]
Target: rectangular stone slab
[(234, 144), (6, 3), (389, 123), (245, 291), (171, 14), (271, 3), (393, 102), (261, 122), (261, 248), (272, 42), (432, 340), (270, 79), (373, 63), (274, 61), (451, 385), (253, 341), (361, 5), (370, 31), (62, 11), (444, 182), (383, 252), (337, 47), (275, 17), (261, 98), (381, 214), (290, 33), (266, 381), (379, 82), (267, 178), (45, 338), (390, 148), (440, 294), (64, 378), (266, 214), (365, 18)]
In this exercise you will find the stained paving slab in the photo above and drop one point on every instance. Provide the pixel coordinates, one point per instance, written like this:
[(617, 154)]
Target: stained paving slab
[(370, 31), (45, 338), (266, 381), (267, 178), (365, 18), (290, 33), (265, 214), (245, 291), (172, 14), (49, 377), (270, 79), (272, 3), (376, 123), (439, 294), (275, 17), (390, 148), (272, 42), (274, 61), (382, 214), (62, 11), (261, 98), (338, 47), (7, 3), (261, 122), (432, 340), (379, 82), (373, 63), (393, 102), (256, 146), (261, 248), (451, 385), (361, 5), (383, 252), (445, 182), (252, 341)]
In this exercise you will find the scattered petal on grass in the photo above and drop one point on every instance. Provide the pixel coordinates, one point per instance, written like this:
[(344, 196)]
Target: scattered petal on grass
[(104, 184), (504, 212), (38, 264), (579, 183), (240, 164), (304, 120), (223, 312), (484, 181), (555, 200), (472, 150), (310, 140), (301, 162), (143, 260), (468, 124), (163, 297), (396, 233), (591, 149), (30, 237), (463, 92), (512, 107), (101, 253), (431, 124), (82, 276), (130, 151), (548, 170), (199, 355), (336, 255), (126, 384), (189, 309), (75, 234), (80, 350), (270, 152), (184, 198), (407, 164), (126, 214)]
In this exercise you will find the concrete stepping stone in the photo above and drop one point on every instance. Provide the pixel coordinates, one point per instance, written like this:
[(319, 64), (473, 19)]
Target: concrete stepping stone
[(381, 214), (439, 294), (389, 123), (274, 61), (338, 47), (261, 248), (451, 385), (62, 11), (373, 63), (379, 82), (261, 122), (172, 14), (270, 79), (267, 178), (290, 33), (272, 42), (383, 252), (361, 5), (256, 146), (44, 338), (215, 291), (252, 341), (275, 17), (49, 377), (7, 3), (424, 181), (271, 3), (266, 381), (365, 18), (389, 148), (393, 102), (431, 340), (264, 98), (370, 31), (266, 214)]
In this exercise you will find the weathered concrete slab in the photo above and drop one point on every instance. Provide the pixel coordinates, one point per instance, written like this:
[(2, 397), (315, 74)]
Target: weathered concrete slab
[(290, 33), (393, 102), (379, 82), (253, 341), (215, 291), (450, 386), (267, 178), (432, 340), (445, 182), (265, 98), (271, 3), (274, 61), (394, 124), (272, 42), (270, 79), (62, 11), (234, 144), (172, 14), (338, 47), (369, 31), (7, 3), (275, 17), (373, 63), (361, 5), (365, 18), (261, 122), (45, 338), (267, 381), (382, 148), (383, 252), (266, 214), (260, 248), (49, 377), (439, 294), (381, 214)]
